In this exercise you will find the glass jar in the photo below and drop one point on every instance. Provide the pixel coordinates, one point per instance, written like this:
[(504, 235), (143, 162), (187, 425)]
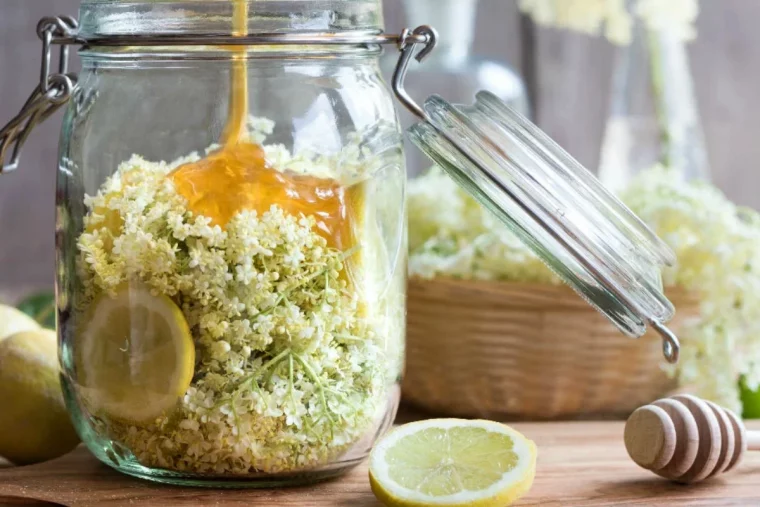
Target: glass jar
[(231, 265), (231, 230)]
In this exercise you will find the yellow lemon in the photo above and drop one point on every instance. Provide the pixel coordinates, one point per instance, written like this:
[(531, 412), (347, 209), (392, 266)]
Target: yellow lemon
[(34, 424), (134, 355), (452, 462), (14, 321)]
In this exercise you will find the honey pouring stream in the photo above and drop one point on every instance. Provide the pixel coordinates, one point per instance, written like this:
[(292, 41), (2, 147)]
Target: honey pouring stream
[(237, 176)]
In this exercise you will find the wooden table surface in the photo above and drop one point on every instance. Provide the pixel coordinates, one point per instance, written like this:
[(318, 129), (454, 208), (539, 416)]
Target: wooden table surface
[(579, 464)]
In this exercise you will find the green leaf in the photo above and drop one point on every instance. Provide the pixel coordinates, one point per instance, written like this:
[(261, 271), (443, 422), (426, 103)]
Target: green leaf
[(41, 307), (750, 401)]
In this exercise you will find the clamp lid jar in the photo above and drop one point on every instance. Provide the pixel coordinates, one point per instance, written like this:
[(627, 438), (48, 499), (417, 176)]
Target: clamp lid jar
[(231, 236)]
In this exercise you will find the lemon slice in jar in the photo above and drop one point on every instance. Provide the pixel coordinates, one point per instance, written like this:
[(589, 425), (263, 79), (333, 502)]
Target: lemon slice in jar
[(452, 462), (134, 355)]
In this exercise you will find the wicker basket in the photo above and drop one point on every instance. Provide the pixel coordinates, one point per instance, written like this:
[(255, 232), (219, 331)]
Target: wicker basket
[(526, 351)]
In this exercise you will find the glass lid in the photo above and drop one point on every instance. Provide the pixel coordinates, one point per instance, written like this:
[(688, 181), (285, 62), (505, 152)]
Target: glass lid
[(555, 206)]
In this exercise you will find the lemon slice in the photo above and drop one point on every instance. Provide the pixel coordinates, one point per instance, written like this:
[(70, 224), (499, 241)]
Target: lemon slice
[(134, 356), (452, 462)]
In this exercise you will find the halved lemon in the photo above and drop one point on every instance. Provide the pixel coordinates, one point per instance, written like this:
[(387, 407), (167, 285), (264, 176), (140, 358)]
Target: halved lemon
[(134, 355), (452, 462)]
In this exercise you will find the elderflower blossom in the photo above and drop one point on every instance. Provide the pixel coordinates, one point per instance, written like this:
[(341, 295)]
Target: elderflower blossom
[(675, 16), (717, 245), (451, 234), (718, 249), (294, 366), (613, 18)]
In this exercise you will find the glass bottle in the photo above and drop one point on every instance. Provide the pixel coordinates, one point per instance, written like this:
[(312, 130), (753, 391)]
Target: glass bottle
[(654, 116), (453, 68)]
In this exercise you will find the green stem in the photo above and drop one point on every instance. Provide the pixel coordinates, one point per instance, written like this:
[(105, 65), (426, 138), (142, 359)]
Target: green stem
[(271, 365), (658, 91), (273, 362), (343, 398), (290, 385), (320, 388), (255, 385), (324, 272), (253, 376), (350, 338), (235, 416)]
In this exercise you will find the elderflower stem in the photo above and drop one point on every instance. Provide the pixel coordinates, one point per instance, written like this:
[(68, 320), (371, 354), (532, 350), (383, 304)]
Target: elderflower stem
[(660, 97), (317, 382), (324, 272), (290, 378), (252, 378)]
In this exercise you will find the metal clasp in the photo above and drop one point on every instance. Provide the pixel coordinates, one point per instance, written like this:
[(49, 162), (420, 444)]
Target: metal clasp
[(53, 91), (407, 45)]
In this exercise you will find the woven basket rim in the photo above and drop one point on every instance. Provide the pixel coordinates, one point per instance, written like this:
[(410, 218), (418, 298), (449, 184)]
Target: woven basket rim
[(528, 294)]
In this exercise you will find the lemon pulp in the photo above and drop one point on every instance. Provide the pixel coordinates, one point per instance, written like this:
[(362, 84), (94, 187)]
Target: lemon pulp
[(452, 462), (440, 462), (135, 355)]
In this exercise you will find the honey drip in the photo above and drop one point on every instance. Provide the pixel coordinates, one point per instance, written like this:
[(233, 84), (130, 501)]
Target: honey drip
[(238, 112), (236, 177)]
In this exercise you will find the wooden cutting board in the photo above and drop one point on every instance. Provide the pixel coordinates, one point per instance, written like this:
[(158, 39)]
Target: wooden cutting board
[(579, 464)]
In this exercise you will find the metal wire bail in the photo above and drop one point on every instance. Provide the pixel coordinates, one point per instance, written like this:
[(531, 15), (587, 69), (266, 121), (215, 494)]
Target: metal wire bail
[(407, 42), (51, 93)]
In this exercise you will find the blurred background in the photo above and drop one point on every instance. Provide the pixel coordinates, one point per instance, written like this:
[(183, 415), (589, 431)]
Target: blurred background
[(568, 79)]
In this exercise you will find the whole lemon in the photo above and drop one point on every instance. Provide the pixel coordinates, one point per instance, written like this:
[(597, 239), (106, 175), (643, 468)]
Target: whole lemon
[(34, 424), (14, 321)]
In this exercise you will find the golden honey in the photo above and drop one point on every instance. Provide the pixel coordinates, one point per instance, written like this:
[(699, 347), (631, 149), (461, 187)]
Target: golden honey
[(237, 176)]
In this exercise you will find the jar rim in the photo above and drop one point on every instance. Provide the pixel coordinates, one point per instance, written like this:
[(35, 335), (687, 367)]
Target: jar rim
[(141, 56), (108, 18)]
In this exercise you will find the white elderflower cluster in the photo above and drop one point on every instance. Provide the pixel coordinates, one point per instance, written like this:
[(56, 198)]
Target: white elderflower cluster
[(451, 234), (718, 249), (613, 18), (293, 364), (717, 245), (678, 17)]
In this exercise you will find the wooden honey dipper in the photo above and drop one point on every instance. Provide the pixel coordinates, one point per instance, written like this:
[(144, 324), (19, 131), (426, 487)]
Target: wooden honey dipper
[(686, 439)]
